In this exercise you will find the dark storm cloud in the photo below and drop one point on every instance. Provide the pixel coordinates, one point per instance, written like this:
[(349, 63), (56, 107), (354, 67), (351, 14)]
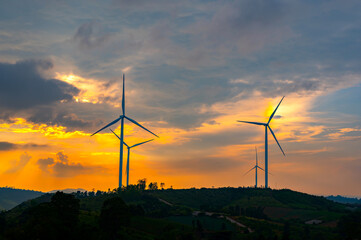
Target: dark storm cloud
[(6, 146), (62, 167), (26, 93), (58, 116), (23, 86)]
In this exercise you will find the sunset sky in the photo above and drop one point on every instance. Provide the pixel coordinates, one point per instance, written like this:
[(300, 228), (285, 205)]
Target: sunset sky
[(192, 69)]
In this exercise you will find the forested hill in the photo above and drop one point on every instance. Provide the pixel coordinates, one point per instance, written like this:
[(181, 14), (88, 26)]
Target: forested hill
[(209, 199), (10, 197), (199, 214)]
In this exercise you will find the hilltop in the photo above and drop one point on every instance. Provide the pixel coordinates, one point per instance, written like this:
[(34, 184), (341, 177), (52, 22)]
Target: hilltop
[(10, 197), (222, 213)]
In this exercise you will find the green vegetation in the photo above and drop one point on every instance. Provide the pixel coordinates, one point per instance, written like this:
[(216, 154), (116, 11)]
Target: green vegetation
[(224, 213)]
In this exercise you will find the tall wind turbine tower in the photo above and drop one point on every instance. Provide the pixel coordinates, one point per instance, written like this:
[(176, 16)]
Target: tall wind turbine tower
[(255, 168), (266, 125), (121, 119), (129, 147)]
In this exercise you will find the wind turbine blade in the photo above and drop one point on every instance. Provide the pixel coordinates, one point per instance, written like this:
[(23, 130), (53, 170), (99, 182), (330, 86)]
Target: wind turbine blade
[(270, 118), (261, 168), (123, 96), (249, 171), (118, 137), (114, 122), (264, 170), (136, 123), (276, 140), (256, 123), (115, 134), (141, 143)]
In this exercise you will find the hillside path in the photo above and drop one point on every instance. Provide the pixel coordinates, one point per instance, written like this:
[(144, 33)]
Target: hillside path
[(164, 201), (195, 213)]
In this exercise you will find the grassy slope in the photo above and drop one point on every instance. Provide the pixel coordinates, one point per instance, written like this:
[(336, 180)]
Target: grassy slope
[(279, 206), (246, 197)]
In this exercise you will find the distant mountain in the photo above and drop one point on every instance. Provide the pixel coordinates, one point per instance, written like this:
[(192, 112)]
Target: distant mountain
[(69, 190), (341, 199), (10, 197)]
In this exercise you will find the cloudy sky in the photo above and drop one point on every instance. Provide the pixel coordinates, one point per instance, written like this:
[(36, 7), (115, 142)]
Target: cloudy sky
[(193, 68)]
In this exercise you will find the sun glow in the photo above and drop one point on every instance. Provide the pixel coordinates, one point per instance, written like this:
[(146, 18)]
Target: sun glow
[(91, 91)]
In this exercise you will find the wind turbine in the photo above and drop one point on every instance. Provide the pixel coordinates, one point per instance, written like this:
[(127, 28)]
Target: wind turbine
[(255, 168), (121, 119), (266, 125), (129, 147)]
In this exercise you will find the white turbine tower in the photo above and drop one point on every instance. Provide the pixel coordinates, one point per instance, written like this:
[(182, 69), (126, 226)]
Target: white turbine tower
[(266, 125), (121, 118), (255, 168), (129, 147)]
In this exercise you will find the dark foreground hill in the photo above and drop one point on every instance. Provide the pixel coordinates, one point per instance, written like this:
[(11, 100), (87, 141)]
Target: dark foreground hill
[(10, 197), (223, 213)]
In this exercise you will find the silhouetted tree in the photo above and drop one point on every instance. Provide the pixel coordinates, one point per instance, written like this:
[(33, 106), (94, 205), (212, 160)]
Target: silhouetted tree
[(67, 208), (142, 183), (55, 220), (114, 215), (153, 186)]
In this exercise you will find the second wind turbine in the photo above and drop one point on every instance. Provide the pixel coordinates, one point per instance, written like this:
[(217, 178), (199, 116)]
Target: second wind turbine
[(255, 168), (121, 118), (266, 125), (129, 147)]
